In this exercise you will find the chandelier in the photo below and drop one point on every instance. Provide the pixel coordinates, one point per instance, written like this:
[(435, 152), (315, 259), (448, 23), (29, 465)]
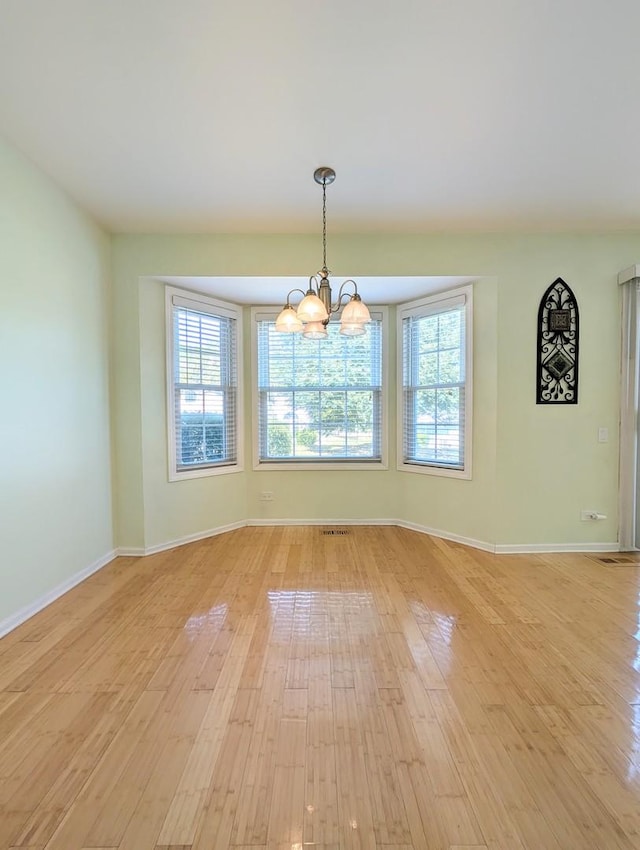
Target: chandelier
[(314, 312)]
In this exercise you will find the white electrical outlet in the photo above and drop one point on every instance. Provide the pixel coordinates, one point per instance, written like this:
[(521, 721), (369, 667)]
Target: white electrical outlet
[(266, 496), (590, 516)]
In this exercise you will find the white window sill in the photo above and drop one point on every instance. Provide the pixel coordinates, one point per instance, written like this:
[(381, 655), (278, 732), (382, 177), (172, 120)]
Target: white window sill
[(205, 472), (302, 466), (440, 471)]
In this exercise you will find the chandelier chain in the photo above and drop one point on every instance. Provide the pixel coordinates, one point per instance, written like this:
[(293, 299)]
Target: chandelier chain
[(317, 307), (324, 224)]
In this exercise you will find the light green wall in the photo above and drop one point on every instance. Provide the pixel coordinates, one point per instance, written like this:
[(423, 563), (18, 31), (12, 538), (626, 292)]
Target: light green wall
[(151, 511), (535, 467), (324, 494), (459, 507), (180, 508), (55, 490), (550, 464)]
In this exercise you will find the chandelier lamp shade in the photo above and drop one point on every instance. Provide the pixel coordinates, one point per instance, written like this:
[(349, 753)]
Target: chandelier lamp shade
[(313, 313)]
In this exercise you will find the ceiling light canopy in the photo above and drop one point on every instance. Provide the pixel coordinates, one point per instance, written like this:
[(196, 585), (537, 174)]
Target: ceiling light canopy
[(314, 312)]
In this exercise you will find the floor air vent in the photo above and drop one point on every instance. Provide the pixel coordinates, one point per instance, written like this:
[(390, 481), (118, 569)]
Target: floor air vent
[(621, 561), (333, 531)]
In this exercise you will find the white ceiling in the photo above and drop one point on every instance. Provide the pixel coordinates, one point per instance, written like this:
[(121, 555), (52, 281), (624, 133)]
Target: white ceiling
[(211, 115)]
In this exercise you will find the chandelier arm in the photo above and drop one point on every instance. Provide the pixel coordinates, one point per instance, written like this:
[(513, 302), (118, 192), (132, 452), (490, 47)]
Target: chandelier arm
[(314, 283), (338, 305), (342, 294), (289, 294), (349, 280)]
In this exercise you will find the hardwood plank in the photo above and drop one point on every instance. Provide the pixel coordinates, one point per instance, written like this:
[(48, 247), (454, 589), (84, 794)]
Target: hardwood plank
[(287, 803), (254, 797), (321, 818), (468, 847), (181, 821), (354, 800), (42, 789), (443, 773), (216, 825), (278, 688), (90, 803), (172, 847), (144, 825), (80, 764)]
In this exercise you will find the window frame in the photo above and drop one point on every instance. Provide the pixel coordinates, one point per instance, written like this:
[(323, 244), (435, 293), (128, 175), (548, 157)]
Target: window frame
[(427, 304), (205, 304), (269, 313)]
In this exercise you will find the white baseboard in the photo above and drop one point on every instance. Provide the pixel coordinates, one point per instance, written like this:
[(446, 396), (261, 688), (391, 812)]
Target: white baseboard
[(483, 545), (181, 541), (496, 549), (14, 620), (445, 535), (280, 521), (533, 548), (130, 552)]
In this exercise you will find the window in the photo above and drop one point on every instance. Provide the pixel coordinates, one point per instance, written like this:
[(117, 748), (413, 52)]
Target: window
[(319, 401), (203, 401), (435, 386)]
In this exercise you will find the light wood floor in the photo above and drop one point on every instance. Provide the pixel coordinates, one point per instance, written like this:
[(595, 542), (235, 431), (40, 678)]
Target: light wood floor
[(280, 688)]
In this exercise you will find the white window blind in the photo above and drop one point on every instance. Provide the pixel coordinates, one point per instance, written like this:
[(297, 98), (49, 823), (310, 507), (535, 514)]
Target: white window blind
[(319, 400), (204, 385), (434, 383)]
